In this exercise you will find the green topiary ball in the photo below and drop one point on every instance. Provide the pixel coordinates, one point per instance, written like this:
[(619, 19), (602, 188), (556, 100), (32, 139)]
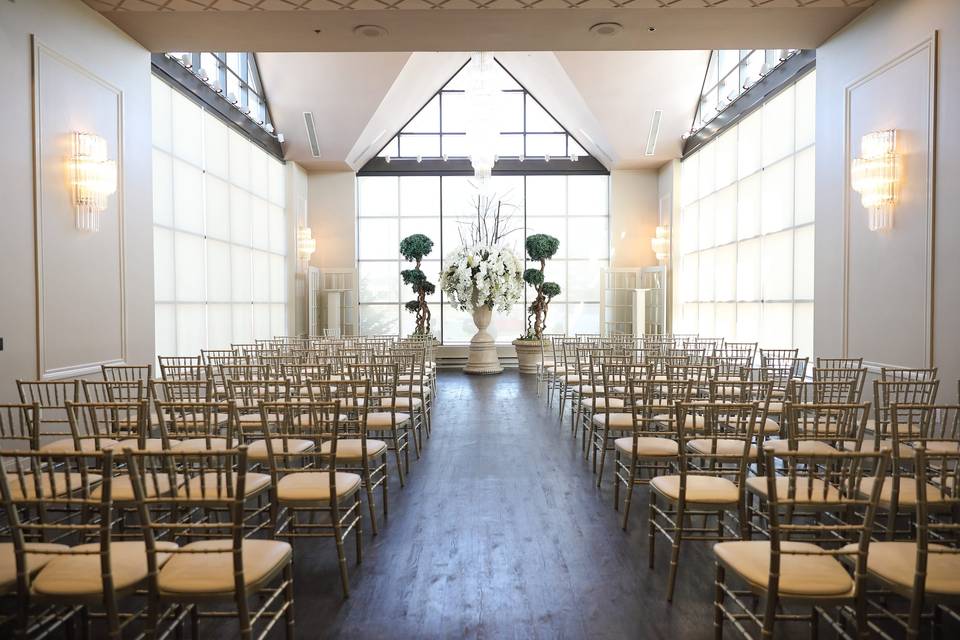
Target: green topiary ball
[(550, 289), (412, 305), (415, 247), (533, 277), (413, 276), (540, 246)]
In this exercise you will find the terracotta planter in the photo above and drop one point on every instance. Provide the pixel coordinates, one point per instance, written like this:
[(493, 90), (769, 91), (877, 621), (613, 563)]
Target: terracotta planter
[(528, 354)]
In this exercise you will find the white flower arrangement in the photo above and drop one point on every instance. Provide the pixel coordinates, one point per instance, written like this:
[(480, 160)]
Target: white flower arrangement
[(483, 275)]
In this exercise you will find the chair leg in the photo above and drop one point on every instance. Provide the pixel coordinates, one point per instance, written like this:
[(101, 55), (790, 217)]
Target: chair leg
[(371, 503), (616, 479), (603, 454), (675, 552), (769, 615), (396, 453), (358, 529), (385, 485), (341, 555), (651, 529), (243, 617), (718, 603), (288, 599)]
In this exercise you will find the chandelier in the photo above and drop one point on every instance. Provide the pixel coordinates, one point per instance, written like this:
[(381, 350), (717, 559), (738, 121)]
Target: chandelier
[(874, 176), (483, 98), (94, 179)]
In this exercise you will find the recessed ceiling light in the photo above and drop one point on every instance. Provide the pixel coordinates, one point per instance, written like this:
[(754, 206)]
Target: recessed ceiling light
[(606, 28), (369, 31), (651, 28)]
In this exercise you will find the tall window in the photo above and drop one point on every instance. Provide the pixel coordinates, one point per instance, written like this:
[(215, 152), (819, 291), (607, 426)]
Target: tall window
[(744, 240), (235, 76), (220, 231), (573, 208)]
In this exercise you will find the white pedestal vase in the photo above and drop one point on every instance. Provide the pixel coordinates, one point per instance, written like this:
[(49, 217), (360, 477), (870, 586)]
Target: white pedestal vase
[(483, 357)]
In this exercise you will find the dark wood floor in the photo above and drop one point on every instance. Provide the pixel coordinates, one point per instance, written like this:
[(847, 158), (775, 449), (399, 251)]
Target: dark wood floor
[(500, 533)]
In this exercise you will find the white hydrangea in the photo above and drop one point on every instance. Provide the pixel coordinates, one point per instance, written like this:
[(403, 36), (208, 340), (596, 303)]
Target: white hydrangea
[(495, 273)]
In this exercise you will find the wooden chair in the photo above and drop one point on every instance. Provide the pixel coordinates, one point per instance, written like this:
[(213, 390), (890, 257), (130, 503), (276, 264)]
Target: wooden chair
[(19, 426), (386, 419), (52, 396)]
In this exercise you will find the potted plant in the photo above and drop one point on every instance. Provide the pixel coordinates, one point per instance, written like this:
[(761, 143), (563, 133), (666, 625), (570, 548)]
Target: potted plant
[(540, 248), (413, 249)]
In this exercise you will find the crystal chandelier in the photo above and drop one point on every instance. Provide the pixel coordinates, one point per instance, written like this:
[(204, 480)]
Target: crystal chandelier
[(483, 98)]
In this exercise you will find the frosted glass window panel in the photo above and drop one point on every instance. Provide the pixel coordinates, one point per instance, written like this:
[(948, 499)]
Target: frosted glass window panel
[(778, 122), (805, 186), (187, 197), (459, 196), (706, 319), (162, 188), (455, 146), (588, 195), (260, 222), (554, 226), (216, 140), (538, 119), (379, 281), (259, 176), (429, 227), (725, 320), (452, 228), (191, 329), (583, 280), (546, 144), (706, 223), (776, 196), (583, 317), (689, 229), (187, 129), (509, 145), (592, 240), (427, 120), (706, 276), (408, 321), (725, 159), (707, 172), (427, 146), (689, 278), (261, 276), (379, 238), (390, 149), (748, 270), (806, 90), (278, 278), (163, 265), (748, 322), (776, 331), (239, 160), (160, 101), (803, 263), (725, 215), (219, 326), (278, 183), (278, 320), (575, 148), (378, 196), (546, 196), (777, 266), (749, 149), (261, 321), (509, 114), (803, 328), (509, 191), (458, 326), (218, 271), (278, 230), (242, 323), (189, 267), (690, 180), (687, 320), (217, 197), (748, 207), (240, 278), (165, 329), (379, 319), (456, 112), (420, 196), (725, 274), (240, 221), (556, 318)]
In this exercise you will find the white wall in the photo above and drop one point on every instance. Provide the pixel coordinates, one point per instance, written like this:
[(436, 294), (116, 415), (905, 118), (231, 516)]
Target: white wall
[(633, 217), (891, 297), (85, 300), (333, 218)]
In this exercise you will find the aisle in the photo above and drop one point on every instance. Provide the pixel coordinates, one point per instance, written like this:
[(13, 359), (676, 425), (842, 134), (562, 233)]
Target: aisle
[(500, 533)]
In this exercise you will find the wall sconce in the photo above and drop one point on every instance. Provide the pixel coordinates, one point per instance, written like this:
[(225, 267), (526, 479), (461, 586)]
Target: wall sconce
[(660, 243), (94, 179), (306, 246), (874, 176)]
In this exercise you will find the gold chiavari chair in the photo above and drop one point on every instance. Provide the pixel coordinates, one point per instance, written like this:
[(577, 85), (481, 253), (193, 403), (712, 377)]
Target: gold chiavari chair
[(129, 373), (310, 484), (385, 419), (413, 379), (301, 374), (731, 363), (580, 381), (199, 425), (247, 395), (403, 395), (744, 392), (900, 391), (570, 376), (19, 426), (555, 371), (97, 426), (746, 348), (800, 564), (926, 569), (715, 450), (195, 562), (604, 393), (182, 391), (857, 377), (207, 356), (52, 396), (615, 416), (905, 374)]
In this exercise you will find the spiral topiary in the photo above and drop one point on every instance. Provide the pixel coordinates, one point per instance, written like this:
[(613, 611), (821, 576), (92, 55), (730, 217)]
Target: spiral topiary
[(413, 248), (540, 247)]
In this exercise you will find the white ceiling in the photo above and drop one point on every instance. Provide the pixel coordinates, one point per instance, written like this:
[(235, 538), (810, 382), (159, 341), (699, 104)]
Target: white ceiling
[(359, 100)]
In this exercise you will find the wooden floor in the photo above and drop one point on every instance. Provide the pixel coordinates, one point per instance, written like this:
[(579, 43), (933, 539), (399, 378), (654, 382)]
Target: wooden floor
[(500, 533)]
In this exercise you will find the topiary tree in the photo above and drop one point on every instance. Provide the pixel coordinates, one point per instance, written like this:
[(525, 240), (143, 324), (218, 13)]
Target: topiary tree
[(413, 249), (540, 247)]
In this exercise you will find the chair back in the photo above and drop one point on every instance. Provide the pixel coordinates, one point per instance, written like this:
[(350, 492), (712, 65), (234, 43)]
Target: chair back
[(19, 425)]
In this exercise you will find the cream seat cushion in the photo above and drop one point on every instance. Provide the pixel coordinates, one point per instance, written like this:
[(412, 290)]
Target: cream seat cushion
[(775, 408), (814, 447), (804, 491), (352, 449), (804, 575), (700, 489), (60, 481), (212, 573), (199, 445), (895, 562), (121, 487), (617, 420), (616, 403), (257, 450), (314, 486), (212, 485), (150, 444), (35, 561), (907, 497), (724, 446), (80, 574), (66, 445), (415, 390), (401, 403), (690, 421), (384, 419), (648, 447)]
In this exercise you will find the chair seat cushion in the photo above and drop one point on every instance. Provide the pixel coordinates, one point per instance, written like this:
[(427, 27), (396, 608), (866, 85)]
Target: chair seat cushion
[(80, 575), (805, 491), (384, 419), (648, 447), (212, 573), (700, 489), (721, 446), (616, 420), (198, 445), (804, 575), (257, 450), (415, 389), (352, 449), (616, 403), (66, 445), (212, 485), (150, 444), (401, 403), (58, 485), (35, 562), (907, 497), (313, 487), (896, 562), (814, 447), (690, 421), (121, 487)]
